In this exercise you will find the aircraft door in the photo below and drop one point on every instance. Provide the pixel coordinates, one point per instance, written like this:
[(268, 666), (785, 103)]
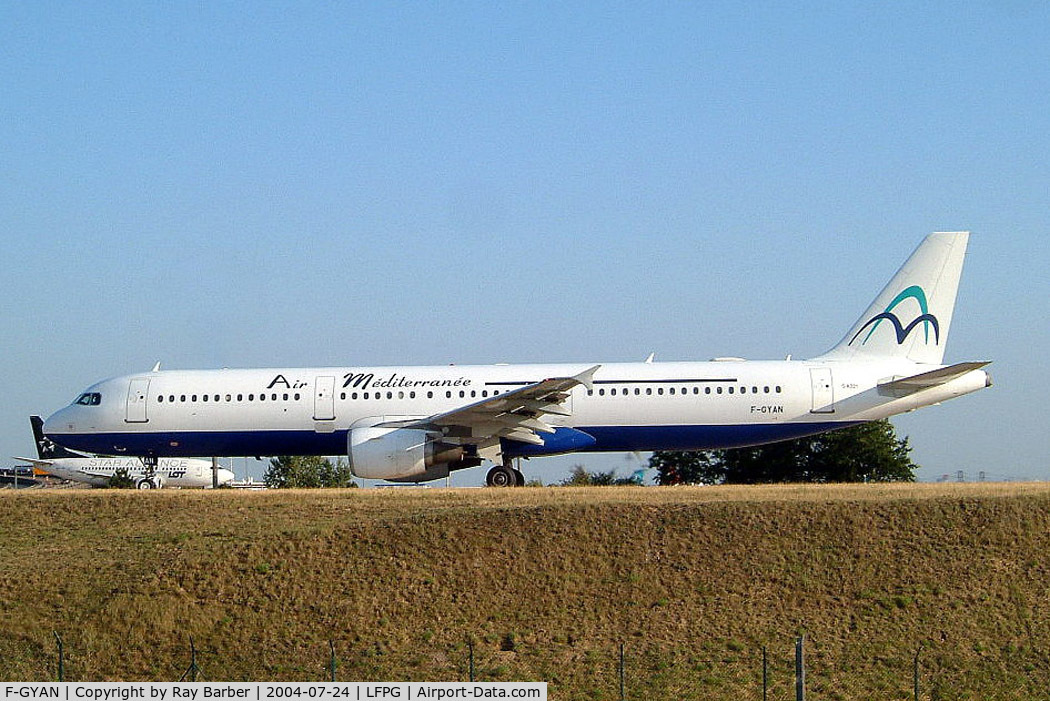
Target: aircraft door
[(324, 399), (823, 391), (138, 400)]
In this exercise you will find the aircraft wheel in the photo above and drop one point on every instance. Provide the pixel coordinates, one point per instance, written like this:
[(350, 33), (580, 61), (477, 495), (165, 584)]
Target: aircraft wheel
[(519, 478), (145, 484), (501, 476)]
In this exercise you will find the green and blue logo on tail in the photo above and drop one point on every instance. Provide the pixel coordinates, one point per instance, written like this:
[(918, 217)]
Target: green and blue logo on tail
[(925, 318)]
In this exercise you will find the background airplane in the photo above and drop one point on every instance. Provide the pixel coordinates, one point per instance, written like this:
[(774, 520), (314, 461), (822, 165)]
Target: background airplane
[(97, 470), (419, 423)]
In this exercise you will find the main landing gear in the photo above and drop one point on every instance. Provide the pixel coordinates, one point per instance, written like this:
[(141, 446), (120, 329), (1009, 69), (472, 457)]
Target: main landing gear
[(505, 475)]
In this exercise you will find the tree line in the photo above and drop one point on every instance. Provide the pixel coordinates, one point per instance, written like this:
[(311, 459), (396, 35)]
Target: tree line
[(868, 452)]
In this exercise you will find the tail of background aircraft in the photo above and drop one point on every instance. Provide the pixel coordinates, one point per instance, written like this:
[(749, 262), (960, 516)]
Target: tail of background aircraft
[(47, 449), (911, 316)]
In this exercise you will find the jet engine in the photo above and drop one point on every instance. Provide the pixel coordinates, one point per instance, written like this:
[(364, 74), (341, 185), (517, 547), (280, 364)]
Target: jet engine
[(403, 454)]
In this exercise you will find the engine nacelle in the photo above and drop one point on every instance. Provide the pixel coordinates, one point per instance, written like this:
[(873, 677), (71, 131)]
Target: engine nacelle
[(399, 454)]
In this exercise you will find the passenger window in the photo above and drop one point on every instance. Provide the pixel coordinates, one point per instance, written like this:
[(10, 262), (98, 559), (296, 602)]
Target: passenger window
[(671, 391)]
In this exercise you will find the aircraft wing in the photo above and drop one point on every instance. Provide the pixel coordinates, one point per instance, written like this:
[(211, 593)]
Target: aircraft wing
[(932, 378), (515, 415)]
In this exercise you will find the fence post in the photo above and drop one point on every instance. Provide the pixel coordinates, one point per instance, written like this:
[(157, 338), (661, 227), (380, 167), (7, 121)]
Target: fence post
[(61, 657), (193, 669), (800, 670), (622, 696), (331, 662)]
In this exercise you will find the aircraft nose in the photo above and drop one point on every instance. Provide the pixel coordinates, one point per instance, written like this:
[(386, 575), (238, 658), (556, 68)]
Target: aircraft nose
[(57, 423), (225, 476)]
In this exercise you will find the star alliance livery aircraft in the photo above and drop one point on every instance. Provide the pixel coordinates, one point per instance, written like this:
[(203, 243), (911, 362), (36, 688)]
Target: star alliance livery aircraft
[(98, 470), (413, 424)]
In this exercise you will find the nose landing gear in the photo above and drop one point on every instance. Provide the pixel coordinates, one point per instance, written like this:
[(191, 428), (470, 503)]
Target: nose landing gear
[(150, 480)]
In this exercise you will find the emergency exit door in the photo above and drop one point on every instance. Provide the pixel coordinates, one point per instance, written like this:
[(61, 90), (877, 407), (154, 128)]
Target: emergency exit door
[(324, 399), (138, 396), (823, 391)]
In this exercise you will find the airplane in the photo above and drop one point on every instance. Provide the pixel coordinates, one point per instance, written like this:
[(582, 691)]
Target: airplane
[(97, 470), (418, 423)]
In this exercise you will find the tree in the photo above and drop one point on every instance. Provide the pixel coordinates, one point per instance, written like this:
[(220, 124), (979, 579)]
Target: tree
[(869, 452), (120, 479), (580, 477), (305, 471)]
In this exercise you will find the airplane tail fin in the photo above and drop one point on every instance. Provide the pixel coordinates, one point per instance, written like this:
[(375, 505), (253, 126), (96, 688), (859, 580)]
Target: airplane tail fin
[(911, 316), (47, 449)]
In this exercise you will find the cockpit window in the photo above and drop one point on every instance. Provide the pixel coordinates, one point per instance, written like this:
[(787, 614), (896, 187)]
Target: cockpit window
[(89, 399)]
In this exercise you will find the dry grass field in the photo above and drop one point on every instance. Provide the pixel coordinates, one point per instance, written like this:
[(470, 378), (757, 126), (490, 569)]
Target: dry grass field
[(545, 583)]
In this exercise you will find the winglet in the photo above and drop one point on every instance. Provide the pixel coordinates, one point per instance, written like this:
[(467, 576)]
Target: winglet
[(586, 378)]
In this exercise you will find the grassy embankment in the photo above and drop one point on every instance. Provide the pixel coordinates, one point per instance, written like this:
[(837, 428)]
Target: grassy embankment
[(546, 583)]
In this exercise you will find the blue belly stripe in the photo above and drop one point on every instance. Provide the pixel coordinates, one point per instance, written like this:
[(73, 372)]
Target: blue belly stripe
[(564, 440)]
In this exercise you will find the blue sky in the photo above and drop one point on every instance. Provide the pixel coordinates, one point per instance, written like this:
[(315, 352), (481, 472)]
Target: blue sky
[(284, 184)]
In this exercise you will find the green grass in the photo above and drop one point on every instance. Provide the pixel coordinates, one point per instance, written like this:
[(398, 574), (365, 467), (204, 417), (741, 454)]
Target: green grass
[(546, 583)]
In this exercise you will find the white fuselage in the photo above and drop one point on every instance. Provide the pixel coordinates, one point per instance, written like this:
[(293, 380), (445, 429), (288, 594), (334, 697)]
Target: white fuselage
[(630, 406), (98, 470)]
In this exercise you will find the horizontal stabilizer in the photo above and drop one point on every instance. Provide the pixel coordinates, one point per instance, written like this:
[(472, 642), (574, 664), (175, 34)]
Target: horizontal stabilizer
[(929, 379), (35, 462)]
